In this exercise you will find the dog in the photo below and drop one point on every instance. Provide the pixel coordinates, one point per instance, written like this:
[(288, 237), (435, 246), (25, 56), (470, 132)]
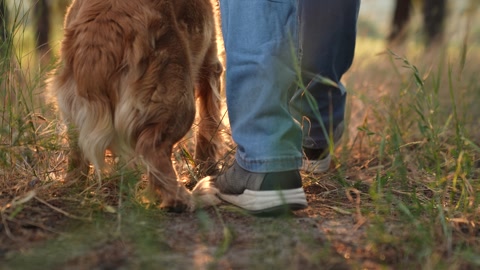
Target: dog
[(128, 78)]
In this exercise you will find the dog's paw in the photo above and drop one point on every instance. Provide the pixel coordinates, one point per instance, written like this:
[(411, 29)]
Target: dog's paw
[(176, 207), (205, 192)]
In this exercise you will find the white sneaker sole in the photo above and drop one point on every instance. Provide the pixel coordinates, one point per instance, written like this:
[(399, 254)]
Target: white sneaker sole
[(268, 201), (316, 166)]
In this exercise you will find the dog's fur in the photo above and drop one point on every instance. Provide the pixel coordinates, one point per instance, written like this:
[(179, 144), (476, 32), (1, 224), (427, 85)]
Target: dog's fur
[(126, 82)]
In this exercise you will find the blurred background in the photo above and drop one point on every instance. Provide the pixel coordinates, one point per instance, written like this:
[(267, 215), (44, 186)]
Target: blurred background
[(395, 21), (451, 17)]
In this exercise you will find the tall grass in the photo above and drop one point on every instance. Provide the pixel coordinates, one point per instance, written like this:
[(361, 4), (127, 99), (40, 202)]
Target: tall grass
[(26, 135), (424, 194), (31, 149)]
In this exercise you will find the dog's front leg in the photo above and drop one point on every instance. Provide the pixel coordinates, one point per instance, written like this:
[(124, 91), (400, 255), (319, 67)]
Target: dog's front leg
[(208, 91)]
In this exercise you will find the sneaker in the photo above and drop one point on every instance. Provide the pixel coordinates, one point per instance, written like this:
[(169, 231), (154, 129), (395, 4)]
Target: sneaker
[(266, 194), (318, 160)]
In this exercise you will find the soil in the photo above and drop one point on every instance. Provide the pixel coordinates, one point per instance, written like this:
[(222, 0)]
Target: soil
[(330, 233)]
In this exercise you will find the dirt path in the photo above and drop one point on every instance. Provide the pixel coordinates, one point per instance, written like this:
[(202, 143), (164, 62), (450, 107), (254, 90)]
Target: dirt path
[(329, 234)]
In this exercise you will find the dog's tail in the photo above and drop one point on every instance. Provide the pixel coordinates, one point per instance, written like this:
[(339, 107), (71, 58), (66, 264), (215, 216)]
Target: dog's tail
[(93, 53), (94, 47)]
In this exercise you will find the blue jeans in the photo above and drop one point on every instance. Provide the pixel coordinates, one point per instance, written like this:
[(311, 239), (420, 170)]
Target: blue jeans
[(266, 43)]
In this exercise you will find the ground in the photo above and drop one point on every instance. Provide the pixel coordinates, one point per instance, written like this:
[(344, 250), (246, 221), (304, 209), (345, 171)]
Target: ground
[(328, 234), (79, 227)]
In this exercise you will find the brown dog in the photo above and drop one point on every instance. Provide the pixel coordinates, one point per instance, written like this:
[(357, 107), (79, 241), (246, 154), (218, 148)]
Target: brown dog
[(126, 82)]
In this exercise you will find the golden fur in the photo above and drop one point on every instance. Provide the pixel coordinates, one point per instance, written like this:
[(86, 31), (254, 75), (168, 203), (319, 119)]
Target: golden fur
[(126, 82)]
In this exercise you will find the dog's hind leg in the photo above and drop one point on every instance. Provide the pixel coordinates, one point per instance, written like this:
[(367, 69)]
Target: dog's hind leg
[(78, 166), (156, 155), (208, 92)]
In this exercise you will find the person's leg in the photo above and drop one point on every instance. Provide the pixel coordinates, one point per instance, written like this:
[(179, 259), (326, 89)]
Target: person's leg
[(401, 15), (434, 12), (328, 34), (259, 72), (260, 42)]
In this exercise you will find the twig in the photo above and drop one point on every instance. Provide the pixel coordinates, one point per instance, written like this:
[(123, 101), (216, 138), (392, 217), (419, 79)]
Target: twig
[(61, 211), (359, 217), (119, 212), (7, 229), (45, 228), (339, 210)]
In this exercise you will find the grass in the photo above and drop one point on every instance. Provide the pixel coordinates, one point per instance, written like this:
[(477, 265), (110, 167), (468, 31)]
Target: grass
[(404, 191), (423, 195)]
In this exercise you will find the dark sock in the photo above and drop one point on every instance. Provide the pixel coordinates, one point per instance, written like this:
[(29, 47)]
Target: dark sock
[(315, 154)]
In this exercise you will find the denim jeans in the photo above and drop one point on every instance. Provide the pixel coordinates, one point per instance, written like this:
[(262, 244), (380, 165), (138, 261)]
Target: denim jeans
[(273, 47)]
